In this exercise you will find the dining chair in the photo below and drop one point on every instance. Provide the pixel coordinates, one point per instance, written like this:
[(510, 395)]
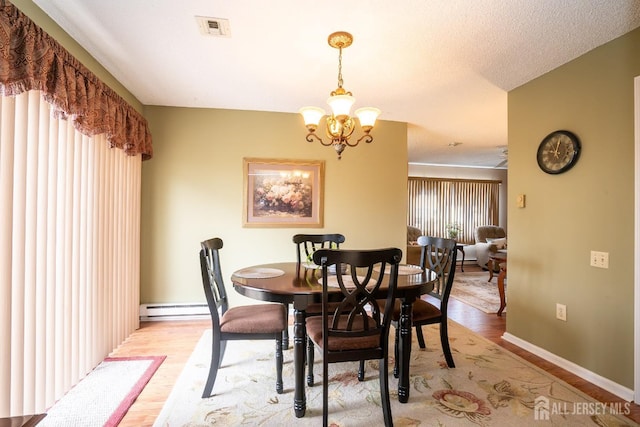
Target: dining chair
[(251, 322), (439, 255), (356, 329), (306, 245)]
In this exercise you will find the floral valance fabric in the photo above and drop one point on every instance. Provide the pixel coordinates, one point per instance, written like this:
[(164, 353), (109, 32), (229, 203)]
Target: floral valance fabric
[(30, 59)]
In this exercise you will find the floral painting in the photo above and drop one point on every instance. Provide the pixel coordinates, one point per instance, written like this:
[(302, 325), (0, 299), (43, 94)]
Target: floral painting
[(283, 193)]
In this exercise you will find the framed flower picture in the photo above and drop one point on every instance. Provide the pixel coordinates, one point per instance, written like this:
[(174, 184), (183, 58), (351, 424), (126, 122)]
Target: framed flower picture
[(283, 193)]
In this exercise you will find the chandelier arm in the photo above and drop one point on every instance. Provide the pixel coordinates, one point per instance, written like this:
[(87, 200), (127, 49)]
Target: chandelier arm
[(351, 144), (366, 137), (312, 135)]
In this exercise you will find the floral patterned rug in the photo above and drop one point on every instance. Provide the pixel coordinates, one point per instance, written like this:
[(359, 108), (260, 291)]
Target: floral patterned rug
[(489, 387), (474, 289)]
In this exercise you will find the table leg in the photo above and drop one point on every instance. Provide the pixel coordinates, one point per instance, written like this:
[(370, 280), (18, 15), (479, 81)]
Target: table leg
[(285, 333), (491, 266), (462, 263), (501, 276), (404, 323), (299, 346)]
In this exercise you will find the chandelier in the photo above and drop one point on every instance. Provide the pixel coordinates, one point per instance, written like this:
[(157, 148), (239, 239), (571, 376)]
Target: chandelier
[(340, 124)]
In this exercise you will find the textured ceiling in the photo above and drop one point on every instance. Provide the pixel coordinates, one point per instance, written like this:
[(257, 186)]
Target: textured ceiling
[(443, 66)]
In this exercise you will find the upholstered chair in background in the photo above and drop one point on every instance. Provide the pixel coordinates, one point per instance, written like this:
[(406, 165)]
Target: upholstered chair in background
[(489, 239)]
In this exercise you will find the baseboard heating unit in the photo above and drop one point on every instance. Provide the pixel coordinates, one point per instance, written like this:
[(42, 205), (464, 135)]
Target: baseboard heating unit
[(182, 311)]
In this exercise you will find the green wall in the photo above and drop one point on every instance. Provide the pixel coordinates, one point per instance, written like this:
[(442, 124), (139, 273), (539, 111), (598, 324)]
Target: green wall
[(192, 190), (590, 207)]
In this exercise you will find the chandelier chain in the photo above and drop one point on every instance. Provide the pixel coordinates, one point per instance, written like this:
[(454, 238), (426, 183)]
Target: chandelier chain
[(340, 68)]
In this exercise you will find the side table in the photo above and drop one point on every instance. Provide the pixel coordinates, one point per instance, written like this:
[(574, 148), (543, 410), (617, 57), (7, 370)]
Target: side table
[(499, 260), (460, 247), (501, 276)]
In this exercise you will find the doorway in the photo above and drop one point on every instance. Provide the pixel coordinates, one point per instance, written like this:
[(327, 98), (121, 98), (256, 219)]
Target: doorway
[(636, 263)]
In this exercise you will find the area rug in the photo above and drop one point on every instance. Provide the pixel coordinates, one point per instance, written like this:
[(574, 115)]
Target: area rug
[(489, 387), (104, 396), (475, 290)]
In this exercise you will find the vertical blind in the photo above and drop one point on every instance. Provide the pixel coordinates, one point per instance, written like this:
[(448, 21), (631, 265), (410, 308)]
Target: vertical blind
[(436, 203), (69, 252)]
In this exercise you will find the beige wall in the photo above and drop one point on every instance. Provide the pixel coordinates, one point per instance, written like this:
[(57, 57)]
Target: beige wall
[(590, 207), (192, 190)]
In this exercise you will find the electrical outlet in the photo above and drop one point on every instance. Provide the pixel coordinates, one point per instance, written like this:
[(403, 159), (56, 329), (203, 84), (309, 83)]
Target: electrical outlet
[(600, 259), (561, 312)]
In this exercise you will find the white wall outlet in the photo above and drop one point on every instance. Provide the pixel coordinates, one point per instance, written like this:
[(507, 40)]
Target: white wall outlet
[(561, 312), (600, 259), (521, 200)]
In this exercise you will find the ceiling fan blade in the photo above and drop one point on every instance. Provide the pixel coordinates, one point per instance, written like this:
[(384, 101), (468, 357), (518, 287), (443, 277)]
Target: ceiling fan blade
[(502, 163)]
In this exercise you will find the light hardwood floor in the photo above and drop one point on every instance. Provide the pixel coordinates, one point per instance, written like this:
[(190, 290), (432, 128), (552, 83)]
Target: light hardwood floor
[(176, 340)]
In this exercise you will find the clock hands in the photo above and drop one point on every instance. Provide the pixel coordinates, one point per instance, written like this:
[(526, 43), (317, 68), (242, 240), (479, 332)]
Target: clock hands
[(557, 149)]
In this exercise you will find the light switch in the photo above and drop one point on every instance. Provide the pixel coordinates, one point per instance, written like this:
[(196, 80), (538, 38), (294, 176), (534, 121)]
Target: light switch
[(520, 200)]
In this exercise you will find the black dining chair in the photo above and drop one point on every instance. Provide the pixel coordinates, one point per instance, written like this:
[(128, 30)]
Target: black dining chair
[(439, 255), (356, 329), (251, 322), (306, 245)]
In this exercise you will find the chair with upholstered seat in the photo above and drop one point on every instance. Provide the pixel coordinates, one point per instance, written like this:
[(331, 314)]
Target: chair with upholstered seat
[(251, 322), (306, 245), (489, 239), (439, 255), (356, 329)]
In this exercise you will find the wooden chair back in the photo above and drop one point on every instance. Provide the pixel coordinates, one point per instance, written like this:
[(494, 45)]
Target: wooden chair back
[(357, 318), (439, 254), (213, 284), (307, 244)]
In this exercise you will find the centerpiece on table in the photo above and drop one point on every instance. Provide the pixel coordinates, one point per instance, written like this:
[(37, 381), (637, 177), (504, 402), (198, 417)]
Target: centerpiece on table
[(332, 268), (454, 230)]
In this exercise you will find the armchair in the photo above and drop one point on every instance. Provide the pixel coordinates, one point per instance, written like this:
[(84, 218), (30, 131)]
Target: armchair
[(413, 248), (489, 239), (412, 235)]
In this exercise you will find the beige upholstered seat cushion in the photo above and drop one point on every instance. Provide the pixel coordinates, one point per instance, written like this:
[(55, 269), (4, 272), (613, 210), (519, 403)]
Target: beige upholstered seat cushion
[(261, 318), (314, 331)]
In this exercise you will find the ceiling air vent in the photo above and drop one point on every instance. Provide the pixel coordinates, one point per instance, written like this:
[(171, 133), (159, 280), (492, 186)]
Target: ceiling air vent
[(217, 27)]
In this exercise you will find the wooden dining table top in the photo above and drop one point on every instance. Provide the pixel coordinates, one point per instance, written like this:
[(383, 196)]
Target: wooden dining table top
[(299, 281)]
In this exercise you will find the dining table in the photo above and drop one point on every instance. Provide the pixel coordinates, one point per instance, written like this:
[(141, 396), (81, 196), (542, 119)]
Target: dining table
[(297, 284)]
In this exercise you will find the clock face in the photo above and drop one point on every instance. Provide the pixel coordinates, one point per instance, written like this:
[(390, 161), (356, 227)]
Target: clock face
[(558, 152)]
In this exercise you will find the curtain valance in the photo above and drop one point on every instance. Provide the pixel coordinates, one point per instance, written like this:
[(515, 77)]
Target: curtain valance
[(30, 59)]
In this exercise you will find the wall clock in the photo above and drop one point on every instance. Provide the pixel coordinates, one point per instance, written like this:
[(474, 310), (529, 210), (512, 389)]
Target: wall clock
[(558, 152)]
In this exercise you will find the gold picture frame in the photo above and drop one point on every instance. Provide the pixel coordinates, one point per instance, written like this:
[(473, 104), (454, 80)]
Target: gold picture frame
[(283, 193)]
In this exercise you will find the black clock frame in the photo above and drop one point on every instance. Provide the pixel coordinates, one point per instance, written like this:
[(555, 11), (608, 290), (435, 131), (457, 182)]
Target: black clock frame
[(576, 149)]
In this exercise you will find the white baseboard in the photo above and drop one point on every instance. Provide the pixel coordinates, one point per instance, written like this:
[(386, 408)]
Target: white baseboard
[(602, 382), (179, 311)]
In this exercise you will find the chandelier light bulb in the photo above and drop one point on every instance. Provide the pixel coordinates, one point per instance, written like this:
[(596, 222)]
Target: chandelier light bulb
[(341, 105), (312, 117), (367, 117)]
